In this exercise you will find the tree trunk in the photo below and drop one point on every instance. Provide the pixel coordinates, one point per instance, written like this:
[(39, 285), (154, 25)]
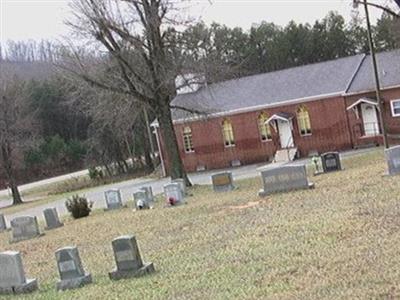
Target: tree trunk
[(147, 149), (8, 168), (176, 169), (16, 194)]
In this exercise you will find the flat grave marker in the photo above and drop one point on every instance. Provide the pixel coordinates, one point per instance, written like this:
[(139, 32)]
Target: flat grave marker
[(128, 260), (51, 218), (222, 182), (113, 199), (24, 228), (12, 275), (72, 274), (284, 179), (393, 160)]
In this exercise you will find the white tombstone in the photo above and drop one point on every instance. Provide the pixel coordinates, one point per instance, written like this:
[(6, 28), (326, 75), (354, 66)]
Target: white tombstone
[(113, 199), (393, 159), (141, 200), (173, 194), (181, 183), (24, 228), (12, 275), (72, 274)]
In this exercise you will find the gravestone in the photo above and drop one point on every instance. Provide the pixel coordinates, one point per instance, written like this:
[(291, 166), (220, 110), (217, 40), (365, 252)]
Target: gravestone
[(12, 275), (51, 217), (3, 226), (149, 192), (70, 269), (141, 200), (24, 228), (113, 199), (331, 162), (283, 179), (181, 183), (222, 182), (173, 194), (393, 159), (128, 260)]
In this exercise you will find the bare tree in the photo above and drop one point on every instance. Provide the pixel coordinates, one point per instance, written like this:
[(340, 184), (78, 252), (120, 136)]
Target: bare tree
[(15, 128)]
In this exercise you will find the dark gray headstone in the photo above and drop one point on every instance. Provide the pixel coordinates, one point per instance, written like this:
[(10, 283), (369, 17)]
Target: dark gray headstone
[(173, 194), (393, 159), (24, 228), (141, 200), (181, 183), (283, 179), (113, 199), (331, 162), (222, 182), (12, 275), (128, 260), (51, 217), (3, 226), (72, 274)]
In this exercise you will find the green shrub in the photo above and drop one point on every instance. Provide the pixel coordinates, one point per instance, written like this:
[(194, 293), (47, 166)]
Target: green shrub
[(78, 206), (95, 173)]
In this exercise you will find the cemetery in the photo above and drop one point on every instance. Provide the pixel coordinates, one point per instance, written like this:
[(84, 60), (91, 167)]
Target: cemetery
[(232, 244)]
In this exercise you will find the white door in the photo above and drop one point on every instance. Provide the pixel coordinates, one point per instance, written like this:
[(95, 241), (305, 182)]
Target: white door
[(285, 134), (370, 119)]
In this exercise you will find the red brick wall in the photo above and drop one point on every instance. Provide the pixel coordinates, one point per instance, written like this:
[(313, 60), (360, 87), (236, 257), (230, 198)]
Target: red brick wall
[(330, 131), (393, 123)]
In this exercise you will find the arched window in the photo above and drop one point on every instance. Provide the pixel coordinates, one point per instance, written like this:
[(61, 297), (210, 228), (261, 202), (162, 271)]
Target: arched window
[(264, 129), (303, 119), (187, 139), (227, 132)]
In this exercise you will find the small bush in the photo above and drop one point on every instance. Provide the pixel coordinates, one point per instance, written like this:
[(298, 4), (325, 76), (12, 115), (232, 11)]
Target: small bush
[(95, 173), (78, 206)]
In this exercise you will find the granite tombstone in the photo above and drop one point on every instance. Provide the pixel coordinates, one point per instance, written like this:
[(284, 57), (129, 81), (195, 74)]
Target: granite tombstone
[(222, 182), (3, 226), (51, 218), (393, 159), (12, 275), (283, 179), (24, 228), (72, 274), (331, 162), (113, 199), (149, 192), (182, 184), (141, 200), (128, 260), (173, 194)]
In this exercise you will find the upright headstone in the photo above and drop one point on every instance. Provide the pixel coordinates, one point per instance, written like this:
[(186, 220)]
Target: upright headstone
[(149, 192), (51, 217), (24, 228), (181, 183), (284, 179), (173, 194), (12, 275), (72, 274), (393, 159), (128, 260), (222, 182), (331, 162), (141, 200), (3, 226), (113, 199)]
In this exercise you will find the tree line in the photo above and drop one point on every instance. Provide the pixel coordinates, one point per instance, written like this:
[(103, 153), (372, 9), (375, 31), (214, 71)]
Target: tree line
[(95, 106)]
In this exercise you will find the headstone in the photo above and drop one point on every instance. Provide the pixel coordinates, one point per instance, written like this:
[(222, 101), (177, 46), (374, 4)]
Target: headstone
[(51, 217), (3, 226), (222, 182), (70, 269), (24, 228), (128, 260), (12, 275), (173, 194), (181, 183), (141, 200), (283, 179), (149, 192), (113, 199), (393, 159), (331, 162)]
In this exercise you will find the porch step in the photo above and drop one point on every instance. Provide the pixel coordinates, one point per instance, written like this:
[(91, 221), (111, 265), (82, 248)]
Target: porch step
[(285, 155)]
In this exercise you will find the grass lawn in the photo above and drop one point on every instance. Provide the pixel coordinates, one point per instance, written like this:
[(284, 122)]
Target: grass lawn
[(338, 241)]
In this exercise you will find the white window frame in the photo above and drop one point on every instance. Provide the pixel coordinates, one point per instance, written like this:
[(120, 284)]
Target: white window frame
[(392, 107), (184, 141), (230, 145)]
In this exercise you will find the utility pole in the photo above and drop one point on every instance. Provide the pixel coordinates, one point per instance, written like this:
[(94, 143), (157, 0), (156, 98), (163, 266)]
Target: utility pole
[(376, 75)]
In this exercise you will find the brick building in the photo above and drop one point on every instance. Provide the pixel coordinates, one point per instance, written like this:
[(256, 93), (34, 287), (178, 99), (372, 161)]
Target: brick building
[(294, 112)]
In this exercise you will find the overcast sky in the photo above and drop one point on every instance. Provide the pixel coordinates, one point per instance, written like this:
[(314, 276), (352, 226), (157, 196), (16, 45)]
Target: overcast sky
[(43, 19)]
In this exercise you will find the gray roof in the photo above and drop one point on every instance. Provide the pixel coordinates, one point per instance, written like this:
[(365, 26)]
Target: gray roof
[(330, 77), (389, 72)]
